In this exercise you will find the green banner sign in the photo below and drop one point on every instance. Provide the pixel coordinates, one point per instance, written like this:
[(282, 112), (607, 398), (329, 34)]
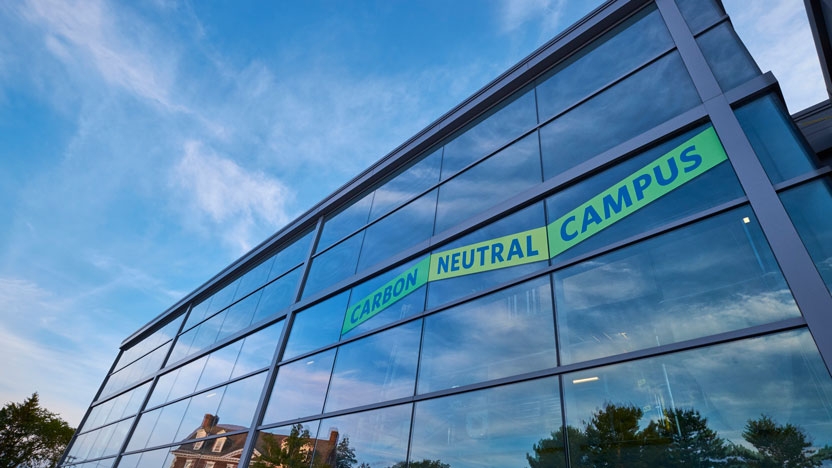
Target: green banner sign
[(658, 178), (667, 173)]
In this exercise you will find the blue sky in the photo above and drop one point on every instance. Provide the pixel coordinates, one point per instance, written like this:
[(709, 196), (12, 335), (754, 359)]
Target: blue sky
[(146, 145)]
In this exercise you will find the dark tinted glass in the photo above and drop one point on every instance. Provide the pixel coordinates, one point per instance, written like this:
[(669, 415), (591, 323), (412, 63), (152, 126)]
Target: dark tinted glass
[(729, 60), (277, 295), (759, 402), (618, 52), (407, 185), (377, 368), (499, 177), (487, 135), (440, 292), (373, 438), (300, 388), (317, 326), (498, 427), (775, 139), (632, 106), (719, 184), (333, 265), (700, 13), (291, 256), (505, 333), (710, 277), (809, 207), (404, 228), (345, 222)]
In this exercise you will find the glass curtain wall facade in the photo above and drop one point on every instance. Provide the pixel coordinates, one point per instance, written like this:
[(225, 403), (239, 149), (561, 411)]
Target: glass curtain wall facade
[(618, 254)]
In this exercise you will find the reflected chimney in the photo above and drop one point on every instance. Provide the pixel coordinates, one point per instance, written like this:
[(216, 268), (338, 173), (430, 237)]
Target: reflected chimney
[(209, 421)]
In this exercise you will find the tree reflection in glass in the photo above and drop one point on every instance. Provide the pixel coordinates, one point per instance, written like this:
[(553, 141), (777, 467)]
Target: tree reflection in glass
[(763, 402)]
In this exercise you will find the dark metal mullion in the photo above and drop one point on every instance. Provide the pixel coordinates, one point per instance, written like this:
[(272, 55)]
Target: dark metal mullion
[(807, 286), (801, 179), (271, 374), (670, 348)]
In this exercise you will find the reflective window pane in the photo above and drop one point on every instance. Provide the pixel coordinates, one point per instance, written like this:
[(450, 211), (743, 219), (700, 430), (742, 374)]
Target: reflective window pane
[(618, 52), (222, 298), (300, 388), (258, 350), (496, 179), (239, 315), (758, 402), (728, 58), (277, 295), (507, 122), (373, 438), (442, 291), (498, 427), (700, 13), (404, 228), (409, 183), (219, 365), (632, 106), (775, 139), (377, 368), (710, 277), (333, 265), (719, 184), (505, 333), (254, 278), (201, 413), (346, 222), (168, 423), (288, 446), (177, 383), (291, 255), (240, 400), (317, 326), (809, 206)]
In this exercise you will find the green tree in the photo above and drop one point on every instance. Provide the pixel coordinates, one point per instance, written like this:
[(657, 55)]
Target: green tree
[(613, 438), (344, 454), (550, 453), (31, 436), (779, 445), (682, 438), (422, 464), (294, 451)]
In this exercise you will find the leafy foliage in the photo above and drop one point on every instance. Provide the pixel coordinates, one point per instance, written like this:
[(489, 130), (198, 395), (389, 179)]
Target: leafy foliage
[(31, 436)]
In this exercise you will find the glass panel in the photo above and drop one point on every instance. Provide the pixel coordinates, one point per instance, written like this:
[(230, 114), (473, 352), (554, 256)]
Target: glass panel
[(440, 292), (159, 337), (497, 427), (258, 350), (287, 446), (134, 401), (333, 265), (254, 278), (405, 186), (758, 402), (346, 222), (410, 303), (161, 458), (207, 332), (700, 13), (240, 401), (219, 366), (239, 315), (201, 413), (506, 333), (373, 438), (775, 139), (496, 179), (187, 378), (714, 276), (719, 184), (405, 228), (278, 295), (809, 207), (728, 58), (143, 429), (507, 122), (222, 298), (102, 437), (183, 346), (140, 369), (169, 420), (291, 256), (631, 107), (300, 388), (377, 368), (317, 326), (618, 52)]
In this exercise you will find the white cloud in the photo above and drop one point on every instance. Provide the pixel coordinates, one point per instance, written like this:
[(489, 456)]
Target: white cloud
[(777, 34), (517, 13), (228, 197)]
